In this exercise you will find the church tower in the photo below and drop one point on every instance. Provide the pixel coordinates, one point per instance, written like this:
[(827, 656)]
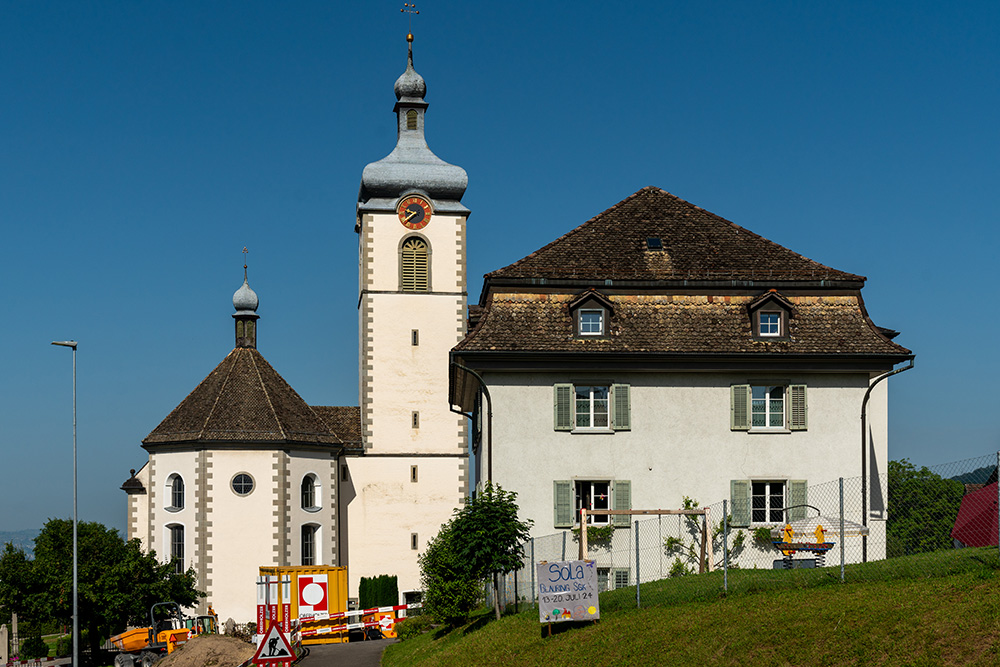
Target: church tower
[(411, 229)]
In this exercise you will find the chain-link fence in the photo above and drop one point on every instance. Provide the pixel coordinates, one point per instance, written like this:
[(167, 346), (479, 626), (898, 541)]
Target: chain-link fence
[(897, 524)]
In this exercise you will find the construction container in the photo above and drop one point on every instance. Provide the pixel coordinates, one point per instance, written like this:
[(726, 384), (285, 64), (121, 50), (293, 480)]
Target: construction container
[(308, 591)]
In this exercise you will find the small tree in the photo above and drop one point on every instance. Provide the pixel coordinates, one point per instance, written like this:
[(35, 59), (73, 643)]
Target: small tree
[(451, 589), (922, 509), (489, 537)]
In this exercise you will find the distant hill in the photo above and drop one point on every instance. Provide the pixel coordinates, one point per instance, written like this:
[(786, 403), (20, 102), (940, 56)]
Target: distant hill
[(984, 475), (24, 539)]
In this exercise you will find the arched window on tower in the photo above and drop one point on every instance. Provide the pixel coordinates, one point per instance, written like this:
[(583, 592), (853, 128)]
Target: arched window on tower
[(175, 535), (175, 492), (413, 269), (310, 492), (411, 119)]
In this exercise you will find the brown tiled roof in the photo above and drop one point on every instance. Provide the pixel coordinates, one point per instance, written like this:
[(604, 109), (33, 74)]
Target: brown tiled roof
[(676, 324), (345, 421), (697, 245), (243, 400)]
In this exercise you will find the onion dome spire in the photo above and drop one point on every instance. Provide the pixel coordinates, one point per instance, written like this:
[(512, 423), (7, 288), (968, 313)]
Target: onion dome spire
[(411, 166), (245, 302)]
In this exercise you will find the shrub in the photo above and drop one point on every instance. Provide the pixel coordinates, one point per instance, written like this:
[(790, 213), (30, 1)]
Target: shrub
[(34, 647), (64, 646), (411, 626), (380, 591)]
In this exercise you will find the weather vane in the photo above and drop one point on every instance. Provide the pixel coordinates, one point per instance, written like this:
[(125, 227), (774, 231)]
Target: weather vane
[(411, 9), (245, 251)]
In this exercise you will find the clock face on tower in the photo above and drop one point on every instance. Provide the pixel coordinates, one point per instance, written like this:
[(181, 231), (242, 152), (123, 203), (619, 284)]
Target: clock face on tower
[(414, 212)]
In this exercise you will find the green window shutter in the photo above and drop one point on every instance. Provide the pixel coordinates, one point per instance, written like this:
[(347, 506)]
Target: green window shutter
[(797, 412), (562, 492), (564, 408), (739, 496), (622, 417), (797, 496), (739, 409), (623, 501)]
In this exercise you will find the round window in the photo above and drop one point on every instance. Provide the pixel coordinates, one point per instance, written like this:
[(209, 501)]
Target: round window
[(242, 484)]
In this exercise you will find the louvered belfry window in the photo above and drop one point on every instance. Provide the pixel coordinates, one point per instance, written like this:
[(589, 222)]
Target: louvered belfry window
[(413, 274)]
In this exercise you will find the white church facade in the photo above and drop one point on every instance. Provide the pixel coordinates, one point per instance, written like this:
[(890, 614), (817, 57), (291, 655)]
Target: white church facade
[(655, 352), (244, 473)]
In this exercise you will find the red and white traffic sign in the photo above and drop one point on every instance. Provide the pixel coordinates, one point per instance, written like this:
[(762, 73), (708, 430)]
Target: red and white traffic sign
[(274, 648), (313, 598)]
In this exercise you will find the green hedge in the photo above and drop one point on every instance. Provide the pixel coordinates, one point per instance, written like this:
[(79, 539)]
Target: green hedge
[(380, 591)]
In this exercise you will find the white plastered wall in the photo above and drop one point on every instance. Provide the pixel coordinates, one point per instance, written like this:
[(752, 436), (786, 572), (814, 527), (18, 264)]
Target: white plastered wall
[(384, 508), (680, 443), (242, 530)]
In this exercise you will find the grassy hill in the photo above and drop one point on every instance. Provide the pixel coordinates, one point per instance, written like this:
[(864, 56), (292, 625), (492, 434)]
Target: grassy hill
[(927, 610)]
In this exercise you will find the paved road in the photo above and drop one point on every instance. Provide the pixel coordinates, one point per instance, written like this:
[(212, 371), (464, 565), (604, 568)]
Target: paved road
[(353, 654)]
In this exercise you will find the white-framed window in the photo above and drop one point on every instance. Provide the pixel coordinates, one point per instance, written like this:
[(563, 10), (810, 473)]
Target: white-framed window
[(592, 406), (767, 407), (591, 322), (762, 501), (175, 533), (769, 324), (610, 578), (310, 493), (767, 500), (593, 496), (242, 484), (570, 496), (309, 544), (175, 492), (764, 407)]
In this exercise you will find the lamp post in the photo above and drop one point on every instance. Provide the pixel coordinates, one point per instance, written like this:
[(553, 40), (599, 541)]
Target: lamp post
[(76, 620)]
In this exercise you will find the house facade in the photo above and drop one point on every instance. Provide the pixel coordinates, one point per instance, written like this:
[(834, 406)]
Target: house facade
[(658, 352)]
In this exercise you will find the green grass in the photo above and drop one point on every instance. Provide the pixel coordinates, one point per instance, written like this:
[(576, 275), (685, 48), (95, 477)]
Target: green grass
[(929, 610)]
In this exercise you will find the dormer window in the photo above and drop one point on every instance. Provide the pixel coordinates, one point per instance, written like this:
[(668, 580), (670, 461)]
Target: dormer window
[(591, 314), (591, 322), (770, 314), (769, 324)]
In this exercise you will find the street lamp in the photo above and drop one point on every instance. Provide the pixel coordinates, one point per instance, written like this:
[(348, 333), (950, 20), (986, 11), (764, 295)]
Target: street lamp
[(76, 620)]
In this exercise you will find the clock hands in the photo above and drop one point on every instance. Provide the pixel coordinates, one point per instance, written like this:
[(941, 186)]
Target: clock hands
[(409, 215)]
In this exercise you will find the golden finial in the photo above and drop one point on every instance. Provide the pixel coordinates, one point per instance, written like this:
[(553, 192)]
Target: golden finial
[(411, 9), (245, 251)]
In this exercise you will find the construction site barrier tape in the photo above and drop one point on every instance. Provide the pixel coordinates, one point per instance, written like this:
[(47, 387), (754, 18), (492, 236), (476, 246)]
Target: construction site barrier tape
[(358, 612)]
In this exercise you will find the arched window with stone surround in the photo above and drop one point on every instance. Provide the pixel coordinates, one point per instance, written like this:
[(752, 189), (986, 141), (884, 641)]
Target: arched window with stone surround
[(175, 492)]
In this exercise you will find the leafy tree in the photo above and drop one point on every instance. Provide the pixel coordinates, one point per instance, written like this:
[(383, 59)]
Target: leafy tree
[(451, 590), (489, 536), (922, 509), (483, 539), (118, 583)]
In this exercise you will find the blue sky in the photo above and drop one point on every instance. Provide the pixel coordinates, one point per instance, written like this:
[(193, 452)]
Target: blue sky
[(144, 144)]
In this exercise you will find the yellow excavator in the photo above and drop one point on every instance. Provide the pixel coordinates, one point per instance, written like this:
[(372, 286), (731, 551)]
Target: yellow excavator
[(168, 629)]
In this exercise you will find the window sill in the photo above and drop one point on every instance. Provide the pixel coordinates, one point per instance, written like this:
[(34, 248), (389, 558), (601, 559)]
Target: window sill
[(605, 431), (174, 509), (311, 509), (769, 430)]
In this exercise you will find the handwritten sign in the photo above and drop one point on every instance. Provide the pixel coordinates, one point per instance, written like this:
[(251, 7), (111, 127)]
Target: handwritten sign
[(567, 591)]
